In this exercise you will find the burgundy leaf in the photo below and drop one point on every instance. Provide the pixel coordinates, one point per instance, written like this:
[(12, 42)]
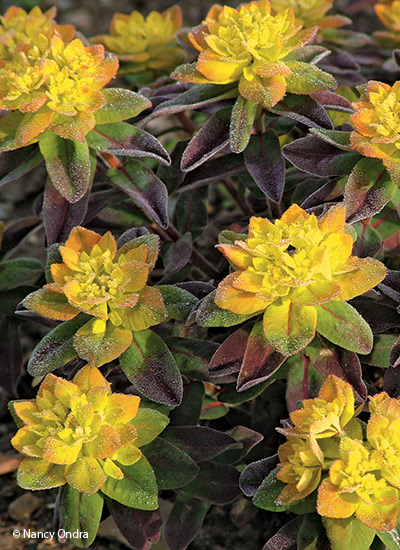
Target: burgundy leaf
[(255, 473), (184, 521), (11, 355), (391, 382), (141, 528), (199, 442), (286, 537), (304, 109), (229, 356), (263, 159), (216, 483)]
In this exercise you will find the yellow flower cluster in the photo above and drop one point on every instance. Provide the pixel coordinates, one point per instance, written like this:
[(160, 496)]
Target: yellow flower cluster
[(389, 13), (360, 476), (145, 43), (50, 77), (251, 46), (106, 283), (311, 13), (376, 121), (287, 268), (77, 432)]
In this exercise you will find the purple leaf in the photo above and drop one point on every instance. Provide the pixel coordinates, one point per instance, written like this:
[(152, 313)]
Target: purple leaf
[(59, 215), (215, 169), (188, 412), (144, 187), (10, 351), (304, 109), (391, 382), (141, 528), (229, 356), (255, 473), (216, 483), (311, 154), (199, 442), (286, 537), (210, 139), (330, 100), (260, 360), (184, 521), (391, 285), (263, 159)]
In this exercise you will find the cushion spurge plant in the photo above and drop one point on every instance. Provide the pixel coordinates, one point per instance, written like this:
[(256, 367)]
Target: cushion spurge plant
[(298, 272), (258, 50), (109, 285)]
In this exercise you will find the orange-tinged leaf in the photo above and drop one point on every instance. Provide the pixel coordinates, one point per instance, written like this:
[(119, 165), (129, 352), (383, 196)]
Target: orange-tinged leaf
[(64, 390), (126, 405), (24, 410), (105, 443), (267, 91), (218, 69), (237, 257), (368, 273), (333, 504), (149, 310), (238, 301), (32, 125), (378, 516), (82, 240), (189, 73), (293, 213), (333, 221), (316, 293), (50, 304), (25, 436)]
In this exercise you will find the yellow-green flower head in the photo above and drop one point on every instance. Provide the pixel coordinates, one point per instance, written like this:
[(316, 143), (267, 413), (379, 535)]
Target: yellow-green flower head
[(146, 43), (376, 121), (76, 432), (20, 30), (286, 268), (251, 46), (63, 82), (356, 486), (327, 414), (311, 13), (106, 283), (383, 433)]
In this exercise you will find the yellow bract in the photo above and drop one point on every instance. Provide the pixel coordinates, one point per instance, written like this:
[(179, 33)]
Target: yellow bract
[(250, 45), (75, 432), (389, 13), (146, 43), (287, 268)]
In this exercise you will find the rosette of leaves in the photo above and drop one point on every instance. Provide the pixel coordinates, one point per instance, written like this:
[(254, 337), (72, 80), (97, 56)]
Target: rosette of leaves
[(281, 272), (53, 91), (100, 292), (258, 58), (334, 472)]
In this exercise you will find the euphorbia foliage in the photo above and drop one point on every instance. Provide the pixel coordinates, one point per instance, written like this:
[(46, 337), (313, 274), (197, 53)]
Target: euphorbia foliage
[(259, 373)]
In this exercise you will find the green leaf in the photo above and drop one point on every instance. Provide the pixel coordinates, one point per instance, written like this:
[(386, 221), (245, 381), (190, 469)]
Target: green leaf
[(18, 271), (338, 138), (391, 539), (243, 115), (210, 315), (143, 186), (269, 491), (348, 534), (173, 467), (56, 348), (341, 324), (8, 129), (137, 489), (151, 367), (68, 165), (368, 189), (103, 347), (379, 356), (149, 424), (188, 412), (179, 302), (121, 138), (307, 78), (22, 161), (121, 105), (81, 513), (50, 304), (191, 211), (289, 327), (303, 380), (310, 531)]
